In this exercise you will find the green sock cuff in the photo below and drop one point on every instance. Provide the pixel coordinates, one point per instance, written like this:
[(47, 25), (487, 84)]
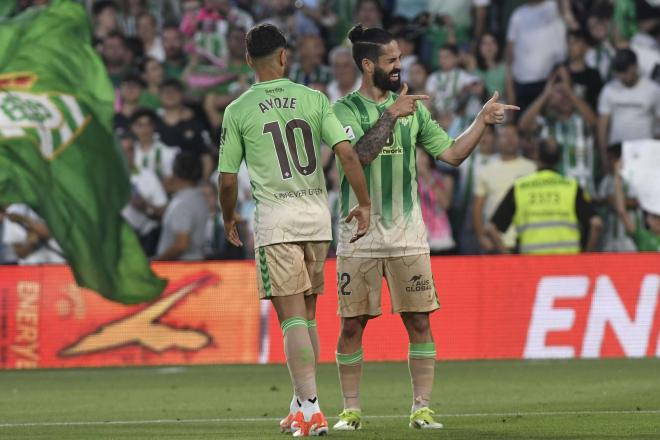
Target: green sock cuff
[(349, 359), (295, 321), (311, 323), (425, 350)]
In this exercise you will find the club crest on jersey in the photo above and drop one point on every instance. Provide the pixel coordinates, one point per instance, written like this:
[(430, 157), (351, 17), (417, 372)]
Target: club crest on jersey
[(405, 121)]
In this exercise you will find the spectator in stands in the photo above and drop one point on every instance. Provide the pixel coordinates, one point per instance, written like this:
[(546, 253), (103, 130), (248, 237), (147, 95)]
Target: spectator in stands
[(646, 41), (309, 70), (130, 90), (147, 203), (406, 41), (147, 32), (214, 233), (615, 238), (600, 55), (559, 113), (551, 212), (469, 172), (29, 237), (346, 77), (462, 13), (175, 58), (435, 191), (536, 43), (116, 57), (417, 79), (369, 13), (585, 80), (237, 77), (106, 20), (153, 76), (131, 11), (629, 105), (7, 253), (150, 153), (234, 16), (179, 127), (644, 231), (490, 67), (449, 84), (493, 183), (183, 234)]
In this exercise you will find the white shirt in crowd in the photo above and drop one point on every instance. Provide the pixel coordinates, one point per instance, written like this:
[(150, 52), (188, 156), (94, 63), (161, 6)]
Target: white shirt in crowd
[(13, 233), (333, 89), (157, 51), (445, 86), (633, 110), (159, 159), (538, 35), (459, 10), (647, 50), (147, 185)]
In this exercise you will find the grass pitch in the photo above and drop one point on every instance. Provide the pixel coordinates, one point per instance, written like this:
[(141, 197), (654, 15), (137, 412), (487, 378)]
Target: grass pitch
[(577, 399)]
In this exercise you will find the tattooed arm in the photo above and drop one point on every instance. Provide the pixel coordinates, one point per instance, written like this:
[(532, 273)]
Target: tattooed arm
[(372, 142)]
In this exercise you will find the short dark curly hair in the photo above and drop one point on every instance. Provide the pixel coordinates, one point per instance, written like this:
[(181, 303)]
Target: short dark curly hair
[(263, 40), (188, 166)]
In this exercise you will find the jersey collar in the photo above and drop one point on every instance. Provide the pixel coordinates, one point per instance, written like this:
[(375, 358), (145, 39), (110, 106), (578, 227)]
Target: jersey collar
[(272, 81), (382, 105)]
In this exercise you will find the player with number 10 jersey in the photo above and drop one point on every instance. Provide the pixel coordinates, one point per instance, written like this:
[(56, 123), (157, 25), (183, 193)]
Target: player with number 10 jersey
[(277, 127), (283, 124)]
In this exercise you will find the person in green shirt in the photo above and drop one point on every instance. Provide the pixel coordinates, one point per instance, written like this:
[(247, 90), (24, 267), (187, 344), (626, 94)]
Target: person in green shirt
[(646, 239), (153, 76), (175, 58), (384, 128), (277, 127), (490, 67)]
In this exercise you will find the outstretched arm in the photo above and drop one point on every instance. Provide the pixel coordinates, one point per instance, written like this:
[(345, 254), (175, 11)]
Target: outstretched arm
[(491, 113)]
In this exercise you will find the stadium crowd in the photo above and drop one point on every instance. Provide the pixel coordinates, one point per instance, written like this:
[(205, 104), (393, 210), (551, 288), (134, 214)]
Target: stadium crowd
[(584, 72)]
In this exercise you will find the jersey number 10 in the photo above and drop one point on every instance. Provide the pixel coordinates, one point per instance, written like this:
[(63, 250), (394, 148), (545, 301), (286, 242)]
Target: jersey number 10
[(278, 140)]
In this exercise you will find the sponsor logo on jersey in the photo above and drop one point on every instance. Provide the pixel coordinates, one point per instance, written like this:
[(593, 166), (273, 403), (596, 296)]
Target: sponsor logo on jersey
[(392, 151), (349, 132)]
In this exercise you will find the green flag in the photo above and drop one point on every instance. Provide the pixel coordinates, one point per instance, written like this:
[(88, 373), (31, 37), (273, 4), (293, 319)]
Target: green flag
[(57, 151), (7, 7)]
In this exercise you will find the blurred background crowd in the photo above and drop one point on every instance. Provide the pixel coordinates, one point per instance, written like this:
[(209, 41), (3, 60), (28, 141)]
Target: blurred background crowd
[(584, 72)]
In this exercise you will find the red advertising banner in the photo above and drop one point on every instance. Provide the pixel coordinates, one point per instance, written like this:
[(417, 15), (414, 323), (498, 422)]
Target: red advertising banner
[(501, 307), (514, 307), (208, 314)]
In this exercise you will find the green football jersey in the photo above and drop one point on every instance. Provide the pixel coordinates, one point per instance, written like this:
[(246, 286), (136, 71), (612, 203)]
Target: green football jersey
[(397, 228), (277, 127)]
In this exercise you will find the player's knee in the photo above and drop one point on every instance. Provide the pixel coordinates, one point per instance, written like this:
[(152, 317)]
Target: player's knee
[(351, 328), (418, 324)]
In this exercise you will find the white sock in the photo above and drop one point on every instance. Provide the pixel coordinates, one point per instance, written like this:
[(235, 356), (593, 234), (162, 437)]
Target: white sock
[(310, 407), (294, 407)]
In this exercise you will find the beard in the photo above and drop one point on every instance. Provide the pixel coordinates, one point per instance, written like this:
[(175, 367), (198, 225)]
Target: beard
[(383, 81)]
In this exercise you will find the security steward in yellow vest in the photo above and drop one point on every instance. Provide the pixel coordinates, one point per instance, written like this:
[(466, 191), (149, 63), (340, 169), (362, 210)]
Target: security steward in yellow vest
[(551, 213)]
